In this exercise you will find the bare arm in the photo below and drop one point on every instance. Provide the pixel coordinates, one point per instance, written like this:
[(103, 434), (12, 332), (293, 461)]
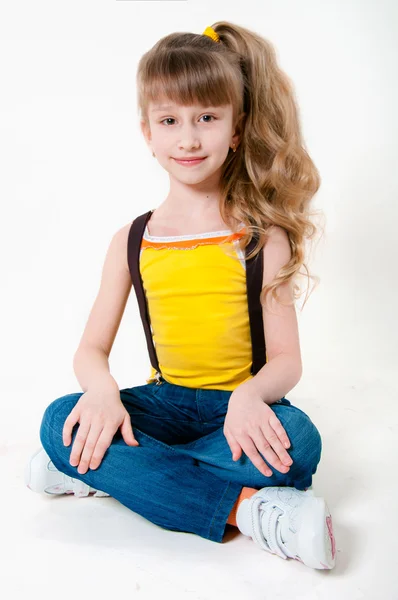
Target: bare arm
[(91, 367), (284, 368), (91, 359), (275, 379), (250, 424)]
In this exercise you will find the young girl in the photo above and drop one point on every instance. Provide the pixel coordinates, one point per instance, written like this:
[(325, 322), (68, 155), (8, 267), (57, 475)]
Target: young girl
[(210, 439)]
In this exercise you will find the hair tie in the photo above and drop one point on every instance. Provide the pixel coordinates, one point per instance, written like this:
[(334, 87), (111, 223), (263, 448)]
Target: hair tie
[(211, 33)]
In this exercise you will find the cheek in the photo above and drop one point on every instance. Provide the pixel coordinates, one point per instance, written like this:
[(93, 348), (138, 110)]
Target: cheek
[(221, 150), (163, 150), (219, 141)]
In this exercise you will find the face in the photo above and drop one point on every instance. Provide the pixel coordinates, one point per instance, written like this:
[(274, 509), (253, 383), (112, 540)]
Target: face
[(177, 132)]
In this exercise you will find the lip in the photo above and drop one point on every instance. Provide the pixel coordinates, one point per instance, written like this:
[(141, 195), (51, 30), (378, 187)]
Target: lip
[(189, 161)]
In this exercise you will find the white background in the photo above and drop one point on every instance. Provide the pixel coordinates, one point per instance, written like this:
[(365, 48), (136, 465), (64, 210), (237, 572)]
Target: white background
[(74, 168)]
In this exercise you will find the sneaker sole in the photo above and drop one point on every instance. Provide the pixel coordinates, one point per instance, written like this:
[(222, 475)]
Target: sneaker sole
[(317, 546)]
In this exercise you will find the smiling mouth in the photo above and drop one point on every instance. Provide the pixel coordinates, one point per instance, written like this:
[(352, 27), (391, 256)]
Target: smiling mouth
[(188, 161)]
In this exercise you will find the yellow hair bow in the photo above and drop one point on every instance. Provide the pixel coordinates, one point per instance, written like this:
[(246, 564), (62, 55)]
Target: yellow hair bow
[(211, 33)]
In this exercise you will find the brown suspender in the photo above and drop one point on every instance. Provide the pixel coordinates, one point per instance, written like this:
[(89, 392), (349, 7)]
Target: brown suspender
[(254, 273)]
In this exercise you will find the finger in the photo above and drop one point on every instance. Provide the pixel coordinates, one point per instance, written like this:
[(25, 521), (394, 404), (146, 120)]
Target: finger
[(103, 443), (79, 442), (279, 430), (233, 444), (89, 446), (251, 451), (265, 443), (127, 431), (69, 424), (281, 439)]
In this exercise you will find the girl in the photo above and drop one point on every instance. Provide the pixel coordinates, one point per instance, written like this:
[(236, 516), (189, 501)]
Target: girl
[(213, 269)]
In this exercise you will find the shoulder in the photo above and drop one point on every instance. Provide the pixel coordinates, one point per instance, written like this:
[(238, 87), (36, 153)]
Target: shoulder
[(123, 233), (119, 242), (276, 251), (278, 236)]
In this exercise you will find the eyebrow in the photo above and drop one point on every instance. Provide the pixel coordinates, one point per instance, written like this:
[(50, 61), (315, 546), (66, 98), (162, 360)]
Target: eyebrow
[(162, 107), (171, 107)]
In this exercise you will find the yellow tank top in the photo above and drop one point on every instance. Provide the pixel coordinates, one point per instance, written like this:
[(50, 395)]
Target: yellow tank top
[(197, 302)]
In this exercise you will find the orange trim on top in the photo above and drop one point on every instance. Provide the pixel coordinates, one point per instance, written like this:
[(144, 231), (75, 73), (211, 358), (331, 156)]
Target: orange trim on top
[(193, 242)]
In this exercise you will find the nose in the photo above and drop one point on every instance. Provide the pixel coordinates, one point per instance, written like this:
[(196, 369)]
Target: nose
[(189, 138)]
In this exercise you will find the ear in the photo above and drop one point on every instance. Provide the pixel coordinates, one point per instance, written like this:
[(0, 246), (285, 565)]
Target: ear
[(239, 126), (146, 131)]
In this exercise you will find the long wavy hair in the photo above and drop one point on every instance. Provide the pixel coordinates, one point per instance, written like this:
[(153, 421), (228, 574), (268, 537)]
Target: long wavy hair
[(271, 179)]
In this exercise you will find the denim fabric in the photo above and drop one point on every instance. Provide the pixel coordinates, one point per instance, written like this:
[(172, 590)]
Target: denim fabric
[(181, 477)]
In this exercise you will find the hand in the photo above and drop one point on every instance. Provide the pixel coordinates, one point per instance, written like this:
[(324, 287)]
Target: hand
[(250, 422), (100, 413)]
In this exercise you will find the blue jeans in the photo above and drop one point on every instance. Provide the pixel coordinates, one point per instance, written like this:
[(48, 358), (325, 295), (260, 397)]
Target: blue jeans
[(181, 477)]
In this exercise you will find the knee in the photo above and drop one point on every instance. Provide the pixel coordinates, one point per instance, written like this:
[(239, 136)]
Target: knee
[(54, 418), (306, 443)]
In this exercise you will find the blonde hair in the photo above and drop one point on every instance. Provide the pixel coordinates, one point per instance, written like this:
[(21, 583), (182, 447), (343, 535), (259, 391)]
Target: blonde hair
[(271, 178)]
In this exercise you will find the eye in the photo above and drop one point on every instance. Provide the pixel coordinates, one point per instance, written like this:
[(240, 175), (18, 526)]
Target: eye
[(168, 119), (171, 118), (211, 116)]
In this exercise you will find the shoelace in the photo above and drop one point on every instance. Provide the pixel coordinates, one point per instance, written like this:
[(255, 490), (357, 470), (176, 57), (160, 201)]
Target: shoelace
[(274, 541)]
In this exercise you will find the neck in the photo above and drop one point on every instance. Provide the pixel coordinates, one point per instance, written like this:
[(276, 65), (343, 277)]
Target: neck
[(193, 201)]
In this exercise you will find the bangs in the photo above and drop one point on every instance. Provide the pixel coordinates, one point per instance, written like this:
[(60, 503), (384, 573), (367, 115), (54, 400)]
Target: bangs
[(187, 77)]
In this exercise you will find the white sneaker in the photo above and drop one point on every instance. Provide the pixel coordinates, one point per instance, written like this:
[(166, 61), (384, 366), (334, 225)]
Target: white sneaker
[(42, 476), (290, 523)]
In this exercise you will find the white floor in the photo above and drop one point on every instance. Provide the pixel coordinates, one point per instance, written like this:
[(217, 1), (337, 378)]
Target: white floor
[(64, 547)]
